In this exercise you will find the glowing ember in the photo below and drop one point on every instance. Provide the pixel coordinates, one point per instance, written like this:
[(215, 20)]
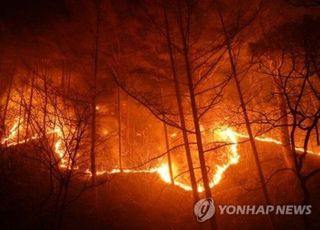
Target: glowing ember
[(164, 173), (233, 155), (12, 138), (274, 141), (59, 149), (98, 172), (13, 133), (173, 135)]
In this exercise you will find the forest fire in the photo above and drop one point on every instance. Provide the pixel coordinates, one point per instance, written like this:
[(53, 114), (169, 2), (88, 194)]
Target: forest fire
[(163, 170), (225, 134), (159, 114)]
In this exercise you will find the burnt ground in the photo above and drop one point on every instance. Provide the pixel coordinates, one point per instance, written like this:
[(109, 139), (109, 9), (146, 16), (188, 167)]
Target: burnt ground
[(143, 201)]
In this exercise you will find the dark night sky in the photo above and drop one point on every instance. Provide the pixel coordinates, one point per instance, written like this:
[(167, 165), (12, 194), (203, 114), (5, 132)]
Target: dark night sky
[(31, 12)]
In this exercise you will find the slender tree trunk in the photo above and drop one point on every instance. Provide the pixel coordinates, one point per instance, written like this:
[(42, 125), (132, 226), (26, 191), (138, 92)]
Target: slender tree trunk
[(63, 76), (93, 139), (184, 34), (165, 129), (20, 115), (94, 95), (284, 130), (119, 131), (29, 106), (181, 112), (6, 106), (68, 76), (196, 123), (45, 102), (298, 167), (245, 114)]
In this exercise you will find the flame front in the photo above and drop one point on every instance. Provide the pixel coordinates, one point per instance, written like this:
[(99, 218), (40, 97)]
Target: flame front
[(233, 156), (227, 135)]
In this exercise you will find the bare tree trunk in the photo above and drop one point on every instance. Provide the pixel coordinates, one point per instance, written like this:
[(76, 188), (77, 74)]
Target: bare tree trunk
[(45, 102), (29, 106), (94, 95), (20, 115), (165, 129), (284, 131), (245, 114), (68, 74), (93, 139), (195, 116), (63, 77), (298, 166), (119, 131), (184, 33), (6, 106), (181, 112)]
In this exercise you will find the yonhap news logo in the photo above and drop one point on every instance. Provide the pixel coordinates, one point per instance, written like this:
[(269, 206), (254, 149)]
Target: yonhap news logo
[(204, 209), (265, 209)]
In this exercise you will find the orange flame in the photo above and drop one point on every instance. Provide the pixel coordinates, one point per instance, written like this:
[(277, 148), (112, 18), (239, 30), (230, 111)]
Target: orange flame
[(226, 135), (163, 170), (13, 133)]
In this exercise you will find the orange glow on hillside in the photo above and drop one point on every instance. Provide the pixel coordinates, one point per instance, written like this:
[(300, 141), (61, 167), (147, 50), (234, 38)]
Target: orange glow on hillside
[(225, 134)]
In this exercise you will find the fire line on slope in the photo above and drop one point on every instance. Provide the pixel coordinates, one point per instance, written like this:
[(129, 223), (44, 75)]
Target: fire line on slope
[(226, 134)]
